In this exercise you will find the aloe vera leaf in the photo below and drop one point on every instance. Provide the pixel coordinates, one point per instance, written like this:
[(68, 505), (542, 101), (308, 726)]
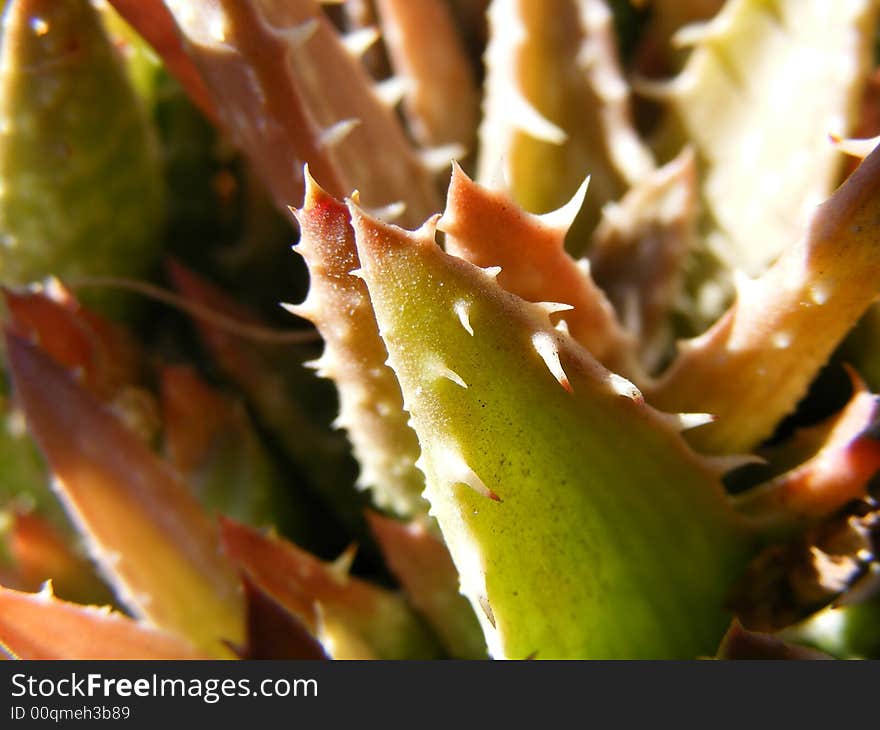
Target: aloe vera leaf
[(838, 472), (754, 365), (82, 184), (142, 526), (763, 169), (353, 618), (421, 562), (289, 93), (639, 252), (580, 522), (371, 406), (557, 108), (40, 626), (441, 101), (487, 228)]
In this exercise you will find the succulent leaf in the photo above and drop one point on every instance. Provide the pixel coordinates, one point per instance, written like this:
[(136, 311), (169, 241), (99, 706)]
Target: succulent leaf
[(521, 433), (557, 108), (371, 406), (754, 365), (142, 526), (751, 65), (288, 92), (838, 472), (273, 632), (73, 138), (441, 101), (39, 626), (353, 618), (421, 562), (487, 228)]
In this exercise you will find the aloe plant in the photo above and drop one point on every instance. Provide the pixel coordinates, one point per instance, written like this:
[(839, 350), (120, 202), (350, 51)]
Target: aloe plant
[(611, 399)]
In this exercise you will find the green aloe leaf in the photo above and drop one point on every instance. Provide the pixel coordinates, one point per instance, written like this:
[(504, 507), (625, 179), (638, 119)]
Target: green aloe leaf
[(580, 522), (82, 188)]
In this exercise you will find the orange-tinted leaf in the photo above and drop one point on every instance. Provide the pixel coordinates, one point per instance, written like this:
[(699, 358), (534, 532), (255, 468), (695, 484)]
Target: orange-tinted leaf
[(840, 470), (143, 526), (103, 353), (41, 553), (350, 615), (39, 626), (422, 564)]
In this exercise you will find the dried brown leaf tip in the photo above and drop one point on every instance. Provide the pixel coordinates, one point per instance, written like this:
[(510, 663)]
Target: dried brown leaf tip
[(272, 631), (787, 583)]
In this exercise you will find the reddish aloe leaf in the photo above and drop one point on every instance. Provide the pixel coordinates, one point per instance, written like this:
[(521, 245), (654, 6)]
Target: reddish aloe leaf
[(41, 553), (39, 626), (754, 365), (441, 100), (104, 355), (143, 526), (289, 92), (487, 228), (370, 403), (422, 564), (840, 470), (273, 632), (353, 618)]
